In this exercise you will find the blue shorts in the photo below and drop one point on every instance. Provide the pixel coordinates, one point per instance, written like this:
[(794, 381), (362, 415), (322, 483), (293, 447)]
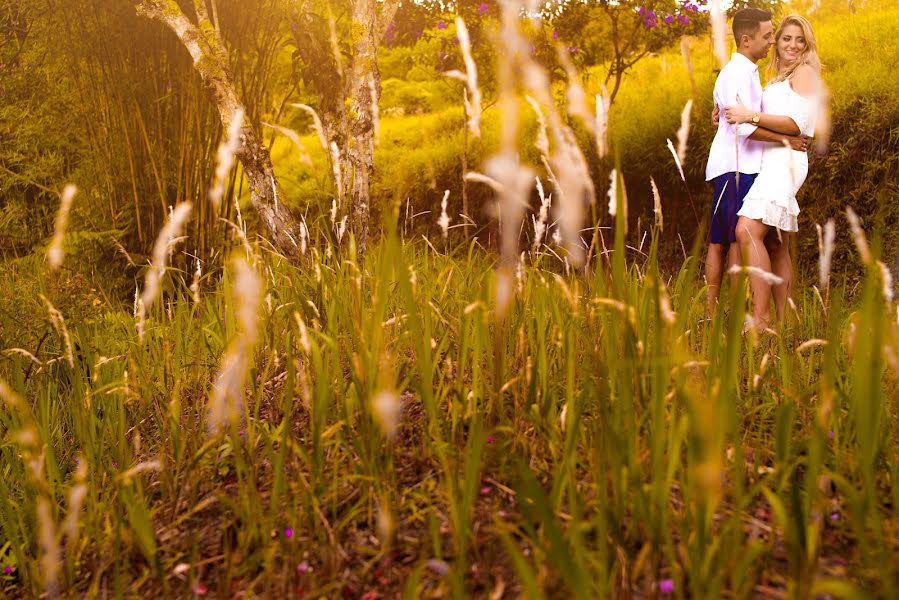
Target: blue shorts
[(727, 200)]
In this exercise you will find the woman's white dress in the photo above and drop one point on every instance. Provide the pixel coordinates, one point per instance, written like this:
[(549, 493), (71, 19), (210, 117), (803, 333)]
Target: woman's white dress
[(772, 197)]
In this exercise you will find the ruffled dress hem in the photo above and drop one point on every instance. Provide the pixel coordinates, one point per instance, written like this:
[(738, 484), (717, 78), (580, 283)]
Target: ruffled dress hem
[(772, 214)]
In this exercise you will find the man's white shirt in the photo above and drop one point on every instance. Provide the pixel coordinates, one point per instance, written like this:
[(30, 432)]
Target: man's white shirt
[(732, 150)]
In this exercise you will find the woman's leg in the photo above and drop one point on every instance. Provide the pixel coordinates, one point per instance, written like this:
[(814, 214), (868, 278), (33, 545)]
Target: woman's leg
[(782, 266), (751, 236)]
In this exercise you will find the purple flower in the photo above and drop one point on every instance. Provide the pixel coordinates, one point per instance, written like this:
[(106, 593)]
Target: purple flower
[(683, 19), (555, 35), (572, 50), (834, 516), (303, 567), (485, 490), (483, 8), (7, 569), (669, 19), (288, 532), (649, 23), (651, 15), (442, 55), (489, 439), (666, 586), (441, 25), (642, 11)]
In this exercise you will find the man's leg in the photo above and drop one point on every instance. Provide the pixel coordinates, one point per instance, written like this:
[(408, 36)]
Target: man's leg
[(751, 236), (714, 268), (782, 266)]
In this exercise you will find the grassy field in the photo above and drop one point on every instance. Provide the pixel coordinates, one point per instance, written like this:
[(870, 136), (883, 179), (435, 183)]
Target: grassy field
[(393, 428), (392, 434)]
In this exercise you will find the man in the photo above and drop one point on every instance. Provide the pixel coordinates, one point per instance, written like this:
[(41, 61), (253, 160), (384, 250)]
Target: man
[(736, 154)]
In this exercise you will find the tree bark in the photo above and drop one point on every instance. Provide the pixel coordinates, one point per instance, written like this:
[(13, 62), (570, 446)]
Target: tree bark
[(210, 58), (353, 130)]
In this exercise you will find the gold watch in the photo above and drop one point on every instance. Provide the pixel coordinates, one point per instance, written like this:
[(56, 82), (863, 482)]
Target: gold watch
[(756, 118)]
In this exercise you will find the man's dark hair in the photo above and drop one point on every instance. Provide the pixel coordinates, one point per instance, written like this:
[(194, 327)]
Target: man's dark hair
[(747, 22)]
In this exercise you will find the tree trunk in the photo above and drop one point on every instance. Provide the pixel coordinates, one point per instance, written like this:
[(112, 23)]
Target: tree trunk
[(365, 87), (353, 130), (210, 58)]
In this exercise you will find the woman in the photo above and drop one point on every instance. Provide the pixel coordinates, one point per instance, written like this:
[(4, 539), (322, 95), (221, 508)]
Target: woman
[(769, 212)]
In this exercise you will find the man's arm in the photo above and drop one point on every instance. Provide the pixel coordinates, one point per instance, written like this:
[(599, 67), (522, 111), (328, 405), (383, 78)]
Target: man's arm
[(796, 142)]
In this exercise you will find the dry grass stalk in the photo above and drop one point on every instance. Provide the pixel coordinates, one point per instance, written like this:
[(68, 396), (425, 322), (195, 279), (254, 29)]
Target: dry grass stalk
[(810, 344), (858, 236), (688, 63), (153, 280), (575, 97), (886, 278), (51, 557), (59, 324), (676, 160), (657, 204), (294, 137), (824, 123), (304, 237), (613, 193), (317, 126), (719, 32), (444, 221), (77, 494), (386, 408), (826, 239), (542, 218), (226, 402), (195, 284), (473, 98), (603, 104), (55, 253), (683, 134), (769, 278), (542, 141), (225, 161)]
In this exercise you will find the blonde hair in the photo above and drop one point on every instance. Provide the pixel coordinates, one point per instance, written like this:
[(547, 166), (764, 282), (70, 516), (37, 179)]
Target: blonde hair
[(809, 54)]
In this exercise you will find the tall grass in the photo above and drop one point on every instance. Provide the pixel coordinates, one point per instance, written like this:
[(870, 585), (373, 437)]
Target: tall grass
[(629, 444)]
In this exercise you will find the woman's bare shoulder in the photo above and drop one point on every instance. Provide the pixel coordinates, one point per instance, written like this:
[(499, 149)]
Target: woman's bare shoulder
[(805, 81)]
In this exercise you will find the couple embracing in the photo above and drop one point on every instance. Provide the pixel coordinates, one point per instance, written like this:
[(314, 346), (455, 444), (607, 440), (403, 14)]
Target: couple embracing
[(758, 159)]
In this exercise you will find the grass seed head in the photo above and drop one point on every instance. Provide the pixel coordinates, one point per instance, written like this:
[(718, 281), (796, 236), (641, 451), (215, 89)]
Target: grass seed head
[(603, 104), (59, 324), (153, 280), (767, 277), (386, 409), (444, 221), (55, 253), (226, 401), (657, 204), (826, 239), (718, 20), (683, 133), (473, 92), (677, 162), (225, 160), (858, 236)]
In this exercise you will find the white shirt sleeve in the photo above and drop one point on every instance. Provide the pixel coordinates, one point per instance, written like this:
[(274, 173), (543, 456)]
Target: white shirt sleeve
[(739, 88)]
